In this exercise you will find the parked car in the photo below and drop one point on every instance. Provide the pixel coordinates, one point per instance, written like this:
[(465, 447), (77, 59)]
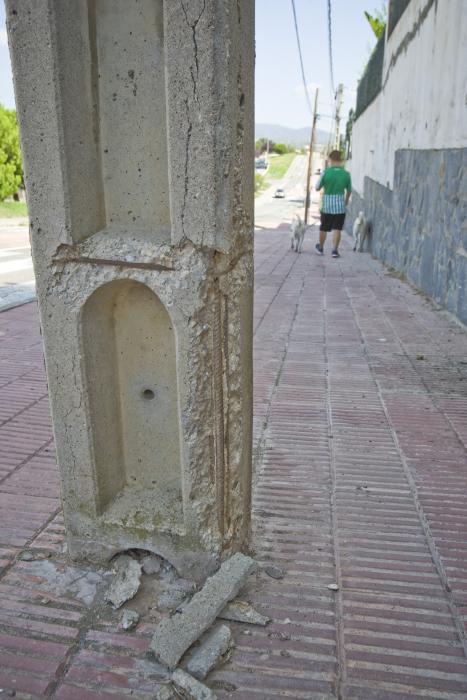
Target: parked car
[(261, 164), (279, 193)]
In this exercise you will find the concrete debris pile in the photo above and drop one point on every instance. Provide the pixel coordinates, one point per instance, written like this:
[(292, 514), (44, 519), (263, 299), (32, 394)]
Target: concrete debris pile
[(187, 641), (126, 582)]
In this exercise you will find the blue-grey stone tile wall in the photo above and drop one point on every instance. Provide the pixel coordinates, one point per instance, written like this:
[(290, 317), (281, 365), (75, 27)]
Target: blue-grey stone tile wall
[(420, 227)]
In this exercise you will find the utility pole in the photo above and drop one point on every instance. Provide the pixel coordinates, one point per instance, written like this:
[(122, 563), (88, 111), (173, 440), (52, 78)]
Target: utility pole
[(310, 157), (339, 100)]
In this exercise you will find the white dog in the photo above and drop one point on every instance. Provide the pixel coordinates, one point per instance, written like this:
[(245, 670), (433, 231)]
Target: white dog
[(361, 229), (297, 234)]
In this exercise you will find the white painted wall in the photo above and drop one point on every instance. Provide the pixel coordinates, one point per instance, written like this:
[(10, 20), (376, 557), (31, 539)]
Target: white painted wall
[(424, 100)]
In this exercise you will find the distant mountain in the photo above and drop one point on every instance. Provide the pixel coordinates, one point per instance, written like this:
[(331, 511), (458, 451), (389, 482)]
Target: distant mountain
[(284, 134)]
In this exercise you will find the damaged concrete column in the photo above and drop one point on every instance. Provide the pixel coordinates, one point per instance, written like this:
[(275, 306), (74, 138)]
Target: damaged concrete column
[(137, 131)]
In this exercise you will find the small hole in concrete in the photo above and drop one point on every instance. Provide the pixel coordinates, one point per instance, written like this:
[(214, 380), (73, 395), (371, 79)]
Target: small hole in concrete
[(148, 394)]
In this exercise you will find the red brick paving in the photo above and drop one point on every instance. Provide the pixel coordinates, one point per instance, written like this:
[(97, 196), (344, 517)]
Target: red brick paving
[(361, 480)]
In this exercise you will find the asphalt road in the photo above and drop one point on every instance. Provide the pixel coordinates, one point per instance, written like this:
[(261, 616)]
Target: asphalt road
[(271, 212)]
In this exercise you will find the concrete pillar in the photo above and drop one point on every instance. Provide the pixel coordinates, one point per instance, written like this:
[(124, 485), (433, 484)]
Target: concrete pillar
[(136, 120)]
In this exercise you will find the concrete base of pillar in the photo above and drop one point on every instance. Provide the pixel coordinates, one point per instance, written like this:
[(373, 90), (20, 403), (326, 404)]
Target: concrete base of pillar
[(150, 361), (193, 565)]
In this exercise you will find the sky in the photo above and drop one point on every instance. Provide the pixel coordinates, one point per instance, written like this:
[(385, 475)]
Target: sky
[(280, 97)]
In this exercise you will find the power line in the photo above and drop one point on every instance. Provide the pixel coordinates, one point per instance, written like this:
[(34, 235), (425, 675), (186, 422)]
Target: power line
[(331, 69), (301, 57)]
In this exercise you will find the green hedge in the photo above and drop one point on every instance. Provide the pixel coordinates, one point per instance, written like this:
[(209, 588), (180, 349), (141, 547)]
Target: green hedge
[(371, 80), (396, 9)]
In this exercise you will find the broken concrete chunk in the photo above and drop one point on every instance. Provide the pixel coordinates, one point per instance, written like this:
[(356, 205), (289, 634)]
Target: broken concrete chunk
[(170, 600), (126, 582), (152, 564), (174, 635), (240, 611), (166, 693), (26, 556), (274, 571), (129, 619), (211, 651), (192, 689), (174, 595)]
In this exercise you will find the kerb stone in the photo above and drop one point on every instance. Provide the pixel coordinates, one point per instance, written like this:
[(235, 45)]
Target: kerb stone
[(175, 635)]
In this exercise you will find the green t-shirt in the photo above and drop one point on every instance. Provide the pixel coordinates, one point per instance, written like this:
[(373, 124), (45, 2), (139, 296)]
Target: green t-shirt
[(335, 181)]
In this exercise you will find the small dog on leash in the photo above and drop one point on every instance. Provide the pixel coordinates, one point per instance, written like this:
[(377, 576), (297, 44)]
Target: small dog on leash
[(361, 229), (297, 234)]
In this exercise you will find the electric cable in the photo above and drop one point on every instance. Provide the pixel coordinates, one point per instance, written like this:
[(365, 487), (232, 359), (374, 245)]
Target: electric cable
[(297, 34), (331, 68)]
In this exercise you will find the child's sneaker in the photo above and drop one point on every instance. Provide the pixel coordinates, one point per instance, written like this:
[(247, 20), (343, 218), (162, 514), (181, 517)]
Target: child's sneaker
[(319, 249), (335, 254)]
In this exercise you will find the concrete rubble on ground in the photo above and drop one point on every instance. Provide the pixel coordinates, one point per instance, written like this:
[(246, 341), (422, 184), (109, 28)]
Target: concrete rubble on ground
[(126, 582), (129, 619), (240, 611), (58, 579), (166, 693), (173, 636), (152, 564), (214, 648), (274, 571), (192, 689), (139, 576), (27, 556), (175, 594)]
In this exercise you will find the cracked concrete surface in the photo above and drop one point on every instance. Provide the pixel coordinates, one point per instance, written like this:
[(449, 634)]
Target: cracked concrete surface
[(141, 230)]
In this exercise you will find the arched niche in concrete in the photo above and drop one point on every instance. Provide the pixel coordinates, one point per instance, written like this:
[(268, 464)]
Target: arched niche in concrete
[(131, 375)]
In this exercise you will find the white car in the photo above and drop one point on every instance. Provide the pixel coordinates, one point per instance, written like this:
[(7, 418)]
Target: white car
[(279, 193)]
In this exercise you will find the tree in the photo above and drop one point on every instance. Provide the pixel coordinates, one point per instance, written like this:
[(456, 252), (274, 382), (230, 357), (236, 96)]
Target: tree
[(11, 171), (377, 20), (280, 148), (262, 145)]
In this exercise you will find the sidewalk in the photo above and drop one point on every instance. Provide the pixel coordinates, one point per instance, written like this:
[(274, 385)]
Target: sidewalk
[(17, 284), (360, 443)]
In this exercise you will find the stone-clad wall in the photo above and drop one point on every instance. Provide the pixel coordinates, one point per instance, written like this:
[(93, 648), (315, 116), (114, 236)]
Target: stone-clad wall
[(420, 227)]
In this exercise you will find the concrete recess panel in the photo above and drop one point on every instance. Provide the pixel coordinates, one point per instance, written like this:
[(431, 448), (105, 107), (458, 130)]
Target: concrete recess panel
[(128, 52), (136, 123), (131, 380)]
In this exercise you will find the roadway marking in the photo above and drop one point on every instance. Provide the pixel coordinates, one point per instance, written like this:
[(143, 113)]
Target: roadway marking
[(10, 252), (15, 265)]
